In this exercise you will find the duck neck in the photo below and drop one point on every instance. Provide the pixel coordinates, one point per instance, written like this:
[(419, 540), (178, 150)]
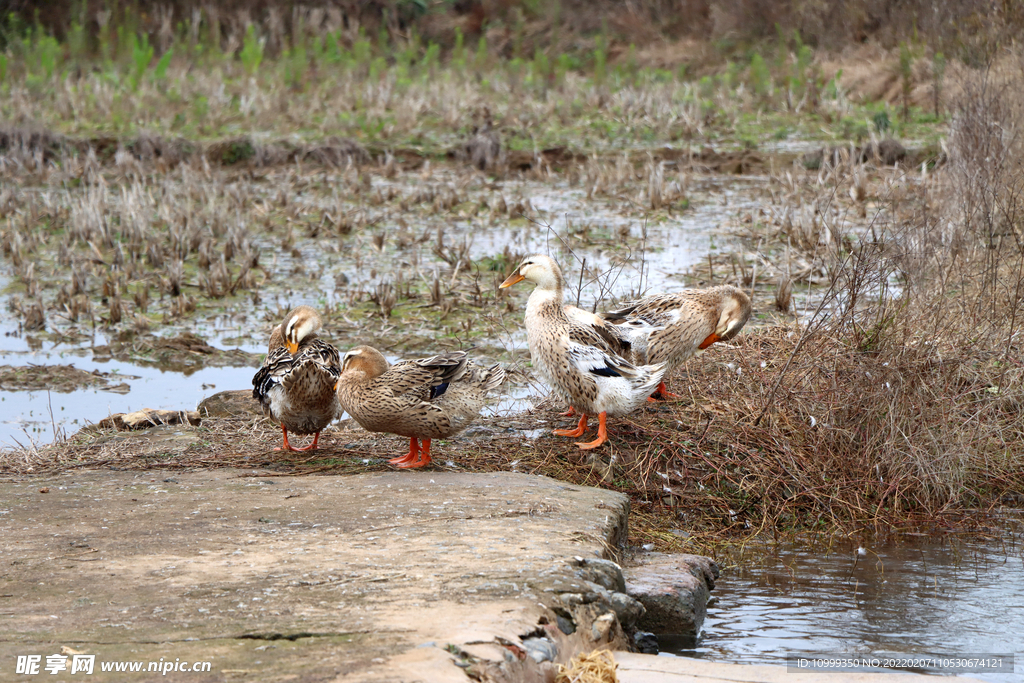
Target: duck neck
[(545, 300)]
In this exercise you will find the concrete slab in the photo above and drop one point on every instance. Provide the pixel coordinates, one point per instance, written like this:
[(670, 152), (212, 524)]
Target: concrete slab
[(404, 576), (637, 668)]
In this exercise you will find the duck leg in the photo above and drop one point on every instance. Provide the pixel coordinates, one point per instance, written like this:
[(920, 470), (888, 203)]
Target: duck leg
[(569, 413), (287, 446), (424, 457), (662, 391), (310, 447), (580, 428), (411, 456), (602, 434)]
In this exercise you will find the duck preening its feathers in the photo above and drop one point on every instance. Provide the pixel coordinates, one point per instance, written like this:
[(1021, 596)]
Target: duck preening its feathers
[(296, 384)]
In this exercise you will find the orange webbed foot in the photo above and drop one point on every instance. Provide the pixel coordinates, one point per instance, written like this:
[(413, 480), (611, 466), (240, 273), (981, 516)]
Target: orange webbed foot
[(310, 447), (663, 392), (287, 446), (602, 434), (579, 431), (411, 456), (424, 459)]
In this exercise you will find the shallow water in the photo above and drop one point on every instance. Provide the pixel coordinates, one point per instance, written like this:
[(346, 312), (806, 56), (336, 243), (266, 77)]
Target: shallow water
[(31, 417), (955, 597), (673, 244), (625, 255)]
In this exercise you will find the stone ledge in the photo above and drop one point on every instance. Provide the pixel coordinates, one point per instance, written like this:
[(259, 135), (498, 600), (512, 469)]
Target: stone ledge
[(674, 590)]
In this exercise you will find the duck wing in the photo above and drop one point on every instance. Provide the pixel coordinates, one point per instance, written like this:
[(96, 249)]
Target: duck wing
[(657, 309), (590, 329), (424, 378), (595, 361), (464, 397), (276, 366)]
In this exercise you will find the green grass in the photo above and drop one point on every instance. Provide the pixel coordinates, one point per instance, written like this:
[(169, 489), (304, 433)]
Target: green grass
[(414, 95)]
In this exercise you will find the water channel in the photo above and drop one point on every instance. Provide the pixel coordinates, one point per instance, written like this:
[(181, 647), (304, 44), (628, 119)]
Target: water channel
[(915, 596)]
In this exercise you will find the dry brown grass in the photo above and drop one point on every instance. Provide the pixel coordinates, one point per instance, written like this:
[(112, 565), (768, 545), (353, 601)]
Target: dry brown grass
[(591, 667)]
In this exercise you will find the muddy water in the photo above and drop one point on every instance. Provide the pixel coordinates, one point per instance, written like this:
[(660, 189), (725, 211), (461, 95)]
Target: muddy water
[(949, 598), (609, 232), (671, 247), (31, 417)]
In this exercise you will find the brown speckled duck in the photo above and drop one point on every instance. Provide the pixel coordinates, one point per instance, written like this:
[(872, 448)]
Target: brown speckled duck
[(429, 398), (670, 328), (573, 357), (295, 385)]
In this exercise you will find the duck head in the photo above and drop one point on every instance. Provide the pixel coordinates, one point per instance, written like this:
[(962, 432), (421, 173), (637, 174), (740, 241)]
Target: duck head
[(300, 322), (366, 360), (733, 315), (538, 269)]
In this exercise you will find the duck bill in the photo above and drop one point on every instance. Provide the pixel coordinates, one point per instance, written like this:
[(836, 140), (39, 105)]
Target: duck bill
[(712, 338), (293, 348), (511, 280)]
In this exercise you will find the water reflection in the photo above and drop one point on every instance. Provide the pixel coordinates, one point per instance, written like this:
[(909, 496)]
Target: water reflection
[(953, 597)]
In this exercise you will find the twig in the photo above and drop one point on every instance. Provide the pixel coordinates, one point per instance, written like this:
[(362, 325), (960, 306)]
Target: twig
[(579, 288)]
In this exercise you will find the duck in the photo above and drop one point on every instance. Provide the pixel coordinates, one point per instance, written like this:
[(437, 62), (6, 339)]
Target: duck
[(573, 357), (424, 399), (296, 383), (670, 328)]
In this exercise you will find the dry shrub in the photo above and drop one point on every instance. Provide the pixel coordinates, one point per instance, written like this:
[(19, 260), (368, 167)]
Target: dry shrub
[(897, 402), (963, 27), (904, 401)]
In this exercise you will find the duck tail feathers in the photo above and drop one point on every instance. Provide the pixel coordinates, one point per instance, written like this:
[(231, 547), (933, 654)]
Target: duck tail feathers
[(620, 314), (314, 377), (452, 364), (493, 377), (654, 375)]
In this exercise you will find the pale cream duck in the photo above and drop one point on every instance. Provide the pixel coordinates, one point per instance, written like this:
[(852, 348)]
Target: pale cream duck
[(295, 386), (670, 328), (574, 358), (425, 399)]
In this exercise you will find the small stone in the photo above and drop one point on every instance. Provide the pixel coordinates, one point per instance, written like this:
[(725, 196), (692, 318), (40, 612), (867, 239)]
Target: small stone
[(604, 573), (238, 403), (628, 610), (565, 624), (571, 599), (540, 649), (646, 643), (601, 629), (674, 590)]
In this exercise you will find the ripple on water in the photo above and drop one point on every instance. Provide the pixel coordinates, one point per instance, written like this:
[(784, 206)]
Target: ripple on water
[(956, 597)]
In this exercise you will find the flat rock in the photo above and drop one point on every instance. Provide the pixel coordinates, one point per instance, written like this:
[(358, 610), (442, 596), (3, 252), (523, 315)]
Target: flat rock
[(674, 590), (395, 576), (148, 417)]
